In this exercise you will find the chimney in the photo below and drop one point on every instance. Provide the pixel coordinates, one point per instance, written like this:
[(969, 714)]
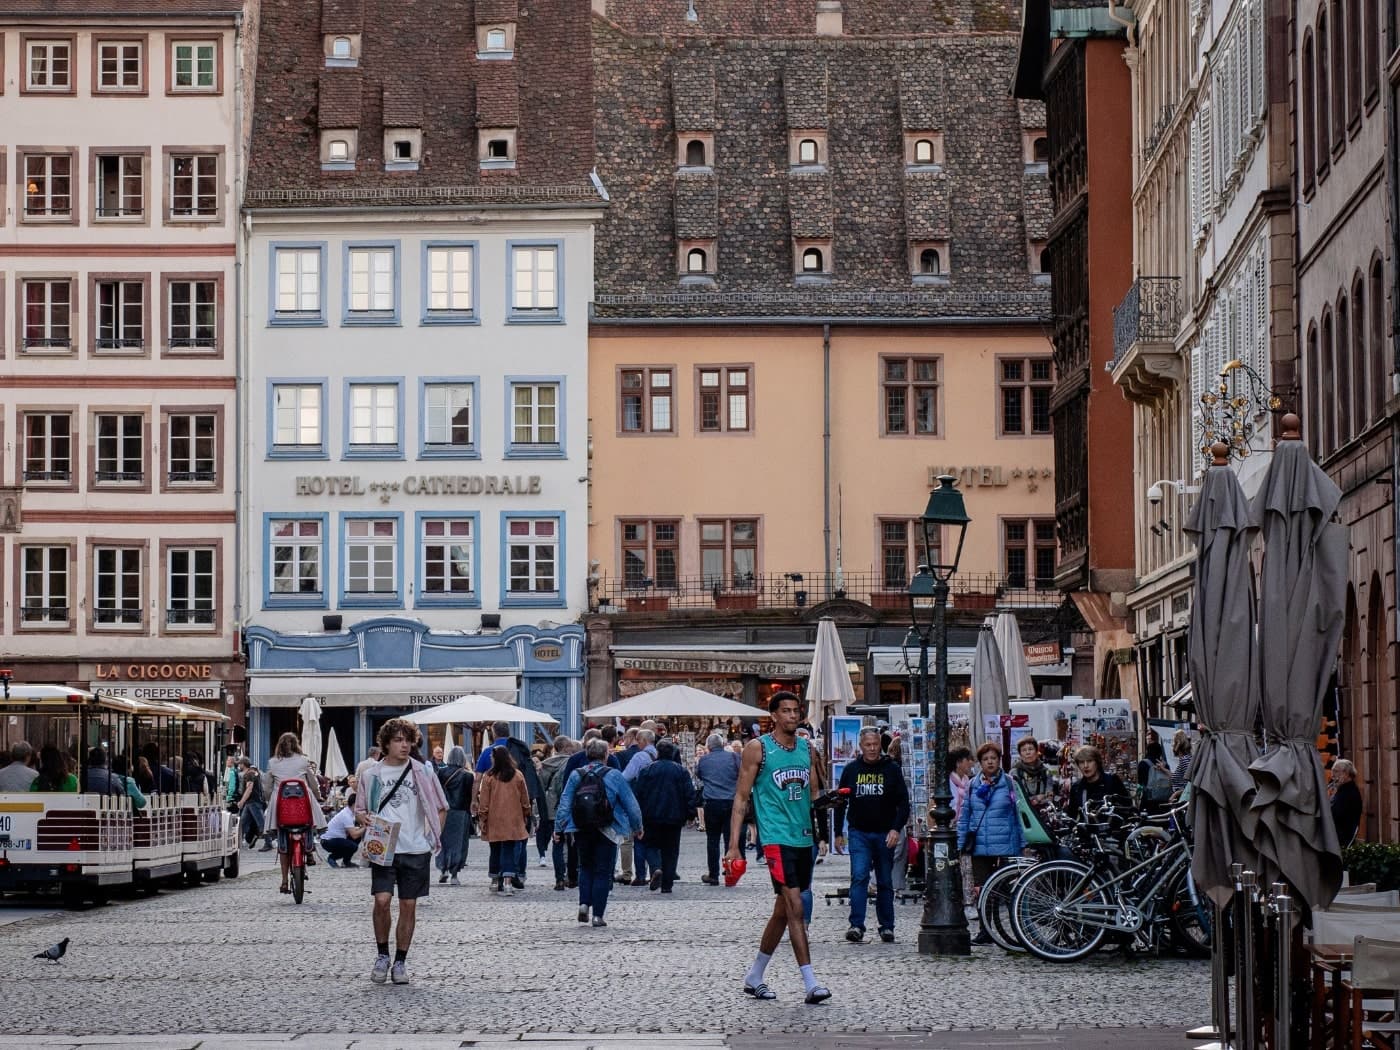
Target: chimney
[(828, 17)]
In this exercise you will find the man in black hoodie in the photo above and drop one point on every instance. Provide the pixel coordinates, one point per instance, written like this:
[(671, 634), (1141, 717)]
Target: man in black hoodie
[(875, 810), (667, 797)]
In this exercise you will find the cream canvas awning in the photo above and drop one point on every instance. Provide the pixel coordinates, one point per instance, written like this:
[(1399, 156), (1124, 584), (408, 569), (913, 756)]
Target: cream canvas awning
[(887, 662), (368, 689)]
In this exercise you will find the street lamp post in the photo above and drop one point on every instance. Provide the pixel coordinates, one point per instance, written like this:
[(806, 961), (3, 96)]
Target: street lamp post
[(943, 927)]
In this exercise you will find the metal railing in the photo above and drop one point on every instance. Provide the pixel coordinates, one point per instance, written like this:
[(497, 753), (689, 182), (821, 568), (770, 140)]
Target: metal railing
[(1150, 312), (792, 591), (182, 617)]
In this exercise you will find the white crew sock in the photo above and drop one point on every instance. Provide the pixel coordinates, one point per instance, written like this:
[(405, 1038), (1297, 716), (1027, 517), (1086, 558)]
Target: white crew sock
[(755, 975), (809, 979)]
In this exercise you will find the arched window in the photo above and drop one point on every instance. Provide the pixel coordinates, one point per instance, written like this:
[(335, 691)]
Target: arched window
[(1040, 149), (812, 261), (338, 150), (930, 263), (807, 151), (1042, 261), (1326, 406), (1312, 411), (1324, 71), (696, 261), (1342, 372), (695, 153), (495, 40), (1354, 39), (1380, 374), (1339, 79), (340, 47), (1361, 408), (923, 151), (1309, 109)]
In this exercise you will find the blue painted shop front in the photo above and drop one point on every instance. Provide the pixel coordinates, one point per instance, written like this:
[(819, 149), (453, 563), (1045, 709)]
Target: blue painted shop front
[(389, 666)]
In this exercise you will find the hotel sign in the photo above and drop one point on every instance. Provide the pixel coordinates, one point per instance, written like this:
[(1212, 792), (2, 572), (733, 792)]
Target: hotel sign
[(985, 476), (420, 485)]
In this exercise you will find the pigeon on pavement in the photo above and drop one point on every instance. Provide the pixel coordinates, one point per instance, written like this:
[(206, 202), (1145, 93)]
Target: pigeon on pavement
[(54, 953)]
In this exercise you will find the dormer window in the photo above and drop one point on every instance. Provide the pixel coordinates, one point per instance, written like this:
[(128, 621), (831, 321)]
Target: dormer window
[(923, 149), (696, 262), (496, 147), (812, 260), (806, 149), (495, 42), (338, 148), (695, 149), (403, 147), (1039, 262), (929, 262), (342, 50)]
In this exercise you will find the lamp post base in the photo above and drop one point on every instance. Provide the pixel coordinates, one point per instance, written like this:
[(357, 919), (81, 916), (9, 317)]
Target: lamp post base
[(943, 927)]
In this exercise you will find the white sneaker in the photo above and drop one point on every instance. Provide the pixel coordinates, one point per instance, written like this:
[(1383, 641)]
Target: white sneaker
[(399, 973), (507, 889), (380, 973), (456, 881), (543, 862)]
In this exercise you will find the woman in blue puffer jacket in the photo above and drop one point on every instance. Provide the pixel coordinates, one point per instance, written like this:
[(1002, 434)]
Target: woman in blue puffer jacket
[(990, 816)]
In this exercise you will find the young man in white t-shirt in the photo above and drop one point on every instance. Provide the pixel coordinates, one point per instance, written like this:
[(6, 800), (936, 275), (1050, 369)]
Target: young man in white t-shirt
[(406, 792)]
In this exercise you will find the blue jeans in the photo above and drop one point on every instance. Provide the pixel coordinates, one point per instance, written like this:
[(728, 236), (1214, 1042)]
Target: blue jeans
[(868, 848), (596, 856), (339, 849)]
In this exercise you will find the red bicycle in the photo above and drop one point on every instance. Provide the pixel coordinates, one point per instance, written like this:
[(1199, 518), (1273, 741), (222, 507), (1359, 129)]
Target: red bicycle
[(295, 822)]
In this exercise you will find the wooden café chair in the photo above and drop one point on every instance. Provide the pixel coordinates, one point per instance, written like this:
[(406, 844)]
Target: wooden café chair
[(1373, 994)]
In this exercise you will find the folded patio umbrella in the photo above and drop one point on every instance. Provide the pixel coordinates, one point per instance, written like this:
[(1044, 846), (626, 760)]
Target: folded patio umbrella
[(1013, 656), (311, 728), (1222, 658), (1301, 594), (334, 765), (829, 681), (988, 687)]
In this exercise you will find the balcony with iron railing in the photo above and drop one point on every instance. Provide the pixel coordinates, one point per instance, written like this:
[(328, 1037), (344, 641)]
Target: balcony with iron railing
[(1146, 363), (796, 591)]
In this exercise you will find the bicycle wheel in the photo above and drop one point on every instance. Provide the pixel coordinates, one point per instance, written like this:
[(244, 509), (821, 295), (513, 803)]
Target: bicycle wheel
[(1040, 926), (298, 874), (1189, 922), (994, 907)]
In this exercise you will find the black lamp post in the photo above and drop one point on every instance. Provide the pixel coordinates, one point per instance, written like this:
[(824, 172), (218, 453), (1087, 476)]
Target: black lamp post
[(943, 927)]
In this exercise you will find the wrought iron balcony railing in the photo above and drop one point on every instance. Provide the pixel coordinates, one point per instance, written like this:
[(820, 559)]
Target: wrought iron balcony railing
[(1150, 312)]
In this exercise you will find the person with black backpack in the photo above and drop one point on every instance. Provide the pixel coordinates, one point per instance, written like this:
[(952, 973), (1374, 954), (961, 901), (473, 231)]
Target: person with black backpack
[(599, 810)]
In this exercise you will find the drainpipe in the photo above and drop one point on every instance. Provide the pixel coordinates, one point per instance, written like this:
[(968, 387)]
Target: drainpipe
[(826, 456), (1129, 24), (240, 376)]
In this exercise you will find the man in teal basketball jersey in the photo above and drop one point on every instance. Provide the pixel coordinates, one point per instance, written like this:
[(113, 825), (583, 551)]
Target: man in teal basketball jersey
[(777, 772)]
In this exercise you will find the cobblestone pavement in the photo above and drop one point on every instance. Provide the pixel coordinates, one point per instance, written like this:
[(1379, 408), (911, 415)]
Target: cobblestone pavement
[(237, 957)]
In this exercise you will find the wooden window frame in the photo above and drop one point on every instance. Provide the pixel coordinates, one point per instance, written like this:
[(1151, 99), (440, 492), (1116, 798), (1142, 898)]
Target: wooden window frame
[(912, 546), (167, 548), (219, 483), (70, 626), (142, 412), (1027, 385), (1032, 545), (647, 394), (172, 41), (169, 156), (94, 185), (167, 279), (25, 40), (74, 456), (728, 582), (74, 317), (143, 43), (97, 544), (885, 386), (74, 214), (726, 391), (95, 280), (648, 547)]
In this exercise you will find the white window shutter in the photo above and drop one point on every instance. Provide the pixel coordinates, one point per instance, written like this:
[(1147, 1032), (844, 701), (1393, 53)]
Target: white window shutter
[(1207, 170), (1194, 174), (1261, 307)]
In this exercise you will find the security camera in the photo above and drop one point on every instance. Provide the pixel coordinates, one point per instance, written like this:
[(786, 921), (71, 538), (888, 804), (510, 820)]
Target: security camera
[(1154, 494)]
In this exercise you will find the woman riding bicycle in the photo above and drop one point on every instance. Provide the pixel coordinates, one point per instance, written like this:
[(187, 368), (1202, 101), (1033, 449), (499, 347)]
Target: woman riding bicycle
[(288, 763)]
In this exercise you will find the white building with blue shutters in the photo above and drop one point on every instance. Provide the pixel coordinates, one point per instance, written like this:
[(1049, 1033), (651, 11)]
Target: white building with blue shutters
[(414, 395)]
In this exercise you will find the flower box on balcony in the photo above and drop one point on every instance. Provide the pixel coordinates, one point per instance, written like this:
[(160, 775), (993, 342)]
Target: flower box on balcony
[(889, 600), (737, 601), (648, 603), (974, 600)]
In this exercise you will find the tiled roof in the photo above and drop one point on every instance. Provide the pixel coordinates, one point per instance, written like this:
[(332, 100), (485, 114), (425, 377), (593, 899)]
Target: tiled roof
[(749, 18), (16, 9), (865, 92), (1035, 195), (418, 63)]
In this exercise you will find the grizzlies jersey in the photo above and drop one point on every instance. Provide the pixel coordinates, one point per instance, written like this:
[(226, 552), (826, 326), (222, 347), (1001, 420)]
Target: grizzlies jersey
[(782, 793)]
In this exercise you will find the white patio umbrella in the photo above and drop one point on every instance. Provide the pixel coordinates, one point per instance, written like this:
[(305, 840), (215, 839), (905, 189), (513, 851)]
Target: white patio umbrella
[(311, 728), (829, 683), (447, 744), (477, 708), (988, 686), (676, 700), (334, 765), (1013, 657)]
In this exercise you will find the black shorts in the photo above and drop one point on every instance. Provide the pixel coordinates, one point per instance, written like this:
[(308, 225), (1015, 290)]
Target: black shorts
[(789, 867), (411, 873)]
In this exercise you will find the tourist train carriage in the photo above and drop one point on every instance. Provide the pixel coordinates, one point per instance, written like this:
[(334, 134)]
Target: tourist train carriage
[(86, 843)]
